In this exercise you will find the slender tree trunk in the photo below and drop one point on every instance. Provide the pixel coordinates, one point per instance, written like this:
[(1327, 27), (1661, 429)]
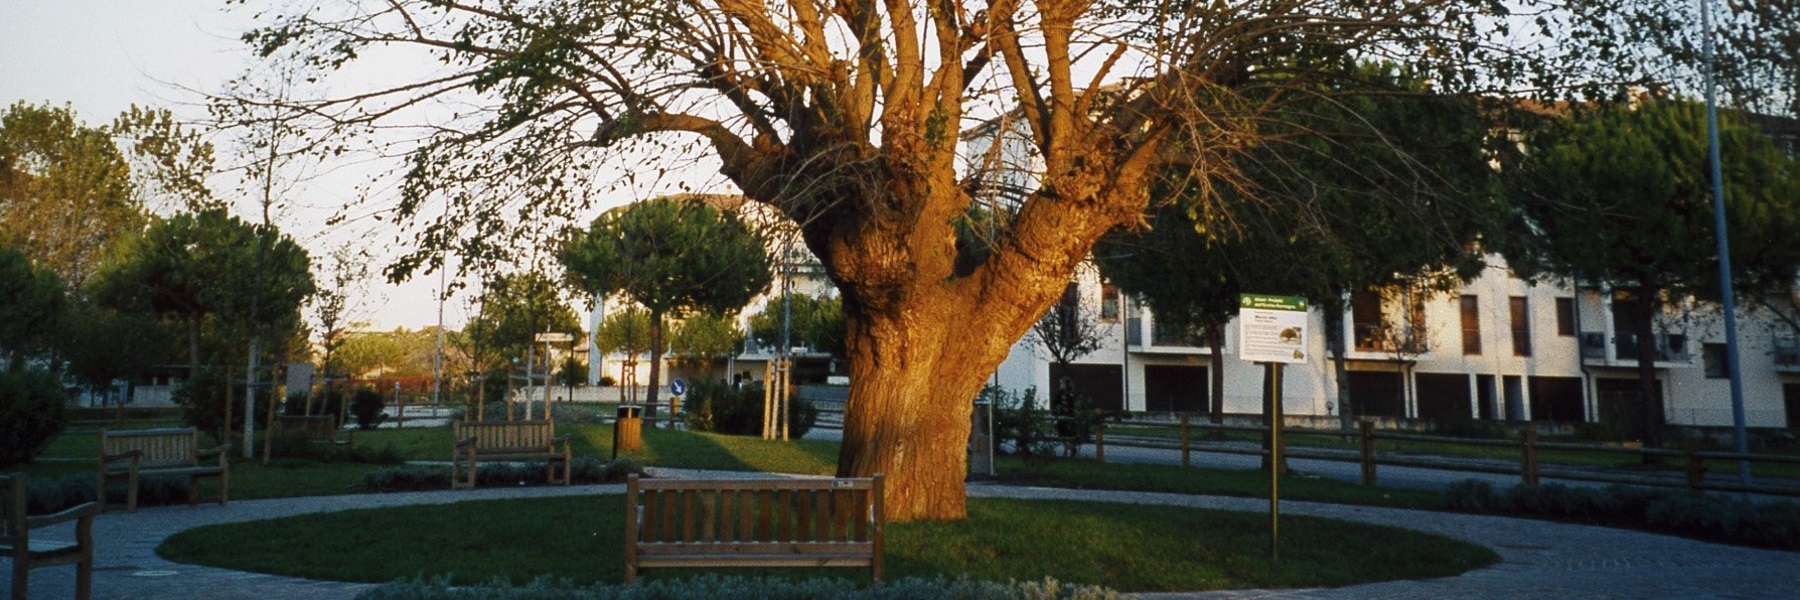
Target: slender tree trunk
[(1650, 397), (1335, 344), (656, 347), (1215, 339), (193, 346), (224, 434)]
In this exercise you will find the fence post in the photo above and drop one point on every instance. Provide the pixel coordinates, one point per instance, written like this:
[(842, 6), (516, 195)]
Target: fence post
[(1696, 469), (1368, 451), (1528, 459), (1099, 437), (1184, 439)]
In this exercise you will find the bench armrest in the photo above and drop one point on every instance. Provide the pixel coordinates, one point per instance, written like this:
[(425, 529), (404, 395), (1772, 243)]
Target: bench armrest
[(219, 451), (465, 442), (85, 510), (128, 454)]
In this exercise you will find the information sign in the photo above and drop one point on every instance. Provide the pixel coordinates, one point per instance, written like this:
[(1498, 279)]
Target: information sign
[(1272, 328)]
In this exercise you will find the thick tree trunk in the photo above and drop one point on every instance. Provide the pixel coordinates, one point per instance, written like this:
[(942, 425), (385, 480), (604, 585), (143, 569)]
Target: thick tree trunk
[(908, 417)]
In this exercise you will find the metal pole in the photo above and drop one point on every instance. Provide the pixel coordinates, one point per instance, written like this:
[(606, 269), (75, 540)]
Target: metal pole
[(1274, 374), (1725, 292)]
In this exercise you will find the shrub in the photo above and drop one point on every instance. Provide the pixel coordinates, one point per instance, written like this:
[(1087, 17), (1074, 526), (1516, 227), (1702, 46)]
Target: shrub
[(719, 407), (1469, 494), (1076, 419), (1679, 512), (47, 495), (1020, 426), (1470, 428), (434, 477), (366, 405), (202, 399), (31, 413), (709, 585)]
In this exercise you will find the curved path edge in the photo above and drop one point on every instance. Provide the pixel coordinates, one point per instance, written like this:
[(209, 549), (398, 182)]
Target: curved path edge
[(1539, 559)]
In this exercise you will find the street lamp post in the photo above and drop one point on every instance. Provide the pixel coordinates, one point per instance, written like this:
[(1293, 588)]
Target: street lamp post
[(1739, 436)]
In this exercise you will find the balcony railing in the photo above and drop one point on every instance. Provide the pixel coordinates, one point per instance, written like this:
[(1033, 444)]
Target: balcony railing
[(1670, 347), (1375, 337), (1787, 354)]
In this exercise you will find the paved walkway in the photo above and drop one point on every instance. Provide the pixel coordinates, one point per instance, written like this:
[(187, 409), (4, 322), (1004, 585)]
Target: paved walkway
[(1539, 559)]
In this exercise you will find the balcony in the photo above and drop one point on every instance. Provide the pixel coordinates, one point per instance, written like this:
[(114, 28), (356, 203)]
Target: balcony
[(1787, 355), (1671, 349), (1163, 340), (1382, 339)]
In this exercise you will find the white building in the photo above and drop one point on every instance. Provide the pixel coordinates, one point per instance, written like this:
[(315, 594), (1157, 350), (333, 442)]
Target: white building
[(1499, 348)]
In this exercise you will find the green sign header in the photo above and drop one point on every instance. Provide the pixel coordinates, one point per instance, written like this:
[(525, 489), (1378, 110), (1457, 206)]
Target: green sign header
[(1267, 302)]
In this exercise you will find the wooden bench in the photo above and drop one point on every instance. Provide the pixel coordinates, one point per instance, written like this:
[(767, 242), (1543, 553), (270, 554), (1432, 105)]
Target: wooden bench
[(753, 523), (28, 553), (130, 454), (319, 429), (507, 441)]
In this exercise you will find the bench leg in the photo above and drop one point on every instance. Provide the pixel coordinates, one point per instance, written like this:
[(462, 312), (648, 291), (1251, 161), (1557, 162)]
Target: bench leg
[(131, 489), (630, 573), (84, 574)]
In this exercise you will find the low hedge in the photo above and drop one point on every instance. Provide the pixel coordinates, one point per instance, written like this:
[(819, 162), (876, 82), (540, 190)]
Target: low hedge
[(1696, 515), (45, 495), (409, 478), (719, 586)]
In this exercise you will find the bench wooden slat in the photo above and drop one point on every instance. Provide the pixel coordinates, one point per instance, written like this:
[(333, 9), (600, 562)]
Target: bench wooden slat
[(507, 441), (753, 523), (128, 455)]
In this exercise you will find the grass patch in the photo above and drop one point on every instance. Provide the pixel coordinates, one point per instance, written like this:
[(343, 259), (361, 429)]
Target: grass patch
[(1128, 548)]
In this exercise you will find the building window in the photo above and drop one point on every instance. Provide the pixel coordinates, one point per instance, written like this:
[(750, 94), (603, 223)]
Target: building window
[(1471, 325), (1368, 324), (1565, 316), (1109, 303), (1521, 325), (1713, 357)]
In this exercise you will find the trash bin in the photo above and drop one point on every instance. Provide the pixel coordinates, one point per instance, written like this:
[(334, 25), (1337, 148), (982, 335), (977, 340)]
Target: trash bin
[(628, 430)]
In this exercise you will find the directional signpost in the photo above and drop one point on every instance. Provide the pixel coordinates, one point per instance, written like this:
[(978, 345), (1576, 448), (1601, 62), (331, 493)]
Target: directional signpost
[(1272, 331)]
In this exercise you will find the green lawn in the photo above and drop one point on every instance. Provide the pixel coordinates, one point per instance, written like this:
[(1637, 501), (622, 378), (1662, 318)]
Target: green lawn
[(1135, 548)]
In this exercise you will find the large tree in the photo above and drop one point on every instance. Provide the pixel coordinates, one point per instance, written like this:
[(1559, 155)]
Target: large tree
[(66, 195), (515, 307), (845, 117), (814, 322), (193, 267), (674, 257), (31, 304), (1620, 196), (1386, 186)]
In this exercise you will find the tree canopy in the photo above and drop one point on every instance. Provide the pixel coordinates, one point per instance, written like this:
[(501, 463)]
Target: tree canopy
[(846, 117), (193, 267), (515, 307), (815, 322), (1621, 196), (31, 305), (673, 256)]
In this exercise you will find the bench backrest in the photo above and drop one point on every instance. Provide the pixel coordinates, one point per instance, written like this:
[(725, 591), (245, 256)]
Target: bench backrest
[(159, 447), (506, 434), (726, 516)]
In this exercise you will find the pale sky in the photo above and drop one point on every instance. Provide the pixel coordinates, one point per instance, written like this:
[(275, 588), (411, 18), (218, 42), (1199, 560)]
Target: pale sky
[(101, 56)]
